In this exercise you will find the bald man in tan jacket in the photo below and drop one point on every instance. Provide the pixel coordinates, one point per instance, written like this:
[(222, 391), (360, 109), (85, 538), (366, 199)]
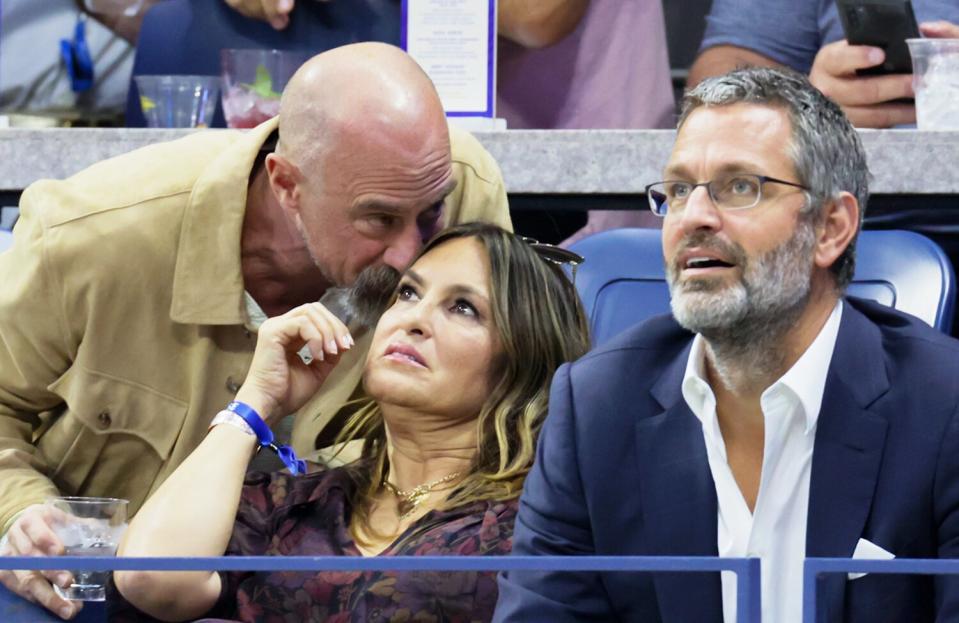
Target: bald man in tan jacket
[(127, 299)]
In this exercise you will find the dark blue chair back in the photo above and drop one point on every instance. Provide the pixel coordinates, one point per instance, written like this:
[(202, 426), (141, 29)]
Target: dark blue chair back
[(622, 281), (186, 36)]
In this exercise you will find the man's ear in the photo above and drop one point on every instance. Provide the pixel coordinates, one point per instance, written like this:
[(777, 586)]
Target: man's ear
[(285, 179), (837, 228)]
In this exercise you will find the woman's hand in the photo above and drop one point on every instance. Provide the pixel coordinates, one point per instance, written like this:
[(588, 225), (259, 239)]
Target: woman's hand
[(278, 382)]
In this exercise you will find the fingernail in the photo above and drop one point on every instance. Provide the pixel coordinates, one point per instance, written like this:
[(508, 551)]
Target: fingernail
[(66, 612), (876, 56), (63, 580), (346, 341), (331, 346), (285, 5)]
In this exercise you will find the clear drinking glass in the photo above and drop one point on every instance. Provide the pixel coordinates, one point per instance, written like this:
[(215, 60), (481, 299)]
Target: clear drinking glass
[(88, 527), (253, 81), (935, 79), (178, 101)]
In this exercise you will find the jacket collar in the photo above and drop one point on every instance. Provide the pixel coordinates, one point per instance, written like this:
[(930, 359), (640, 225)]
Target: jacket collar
[(679, 498), (208, 279), (850, 439), (848, 450)]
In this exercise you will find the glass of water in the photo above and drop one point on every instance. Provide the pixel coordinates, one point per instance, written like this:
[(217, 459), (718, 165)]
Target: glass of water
[(935, 79), (178, 101), (88, 527)]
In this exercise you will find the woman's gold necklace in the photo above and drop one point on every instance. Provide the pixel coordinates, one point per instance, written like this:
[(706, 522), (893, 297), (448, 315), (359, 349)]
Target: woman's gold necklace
[(407, 501)]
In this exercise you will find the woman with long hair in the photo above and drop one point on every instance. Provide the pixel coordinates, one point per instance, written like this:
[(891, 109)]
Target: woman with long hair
[(458, 377)]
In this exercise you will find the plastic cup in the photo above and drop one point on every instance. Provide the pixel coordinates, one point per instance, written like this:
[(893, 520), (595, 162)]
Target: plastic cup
[(178, 101), (935, 79), (253, 81), (88, 527)]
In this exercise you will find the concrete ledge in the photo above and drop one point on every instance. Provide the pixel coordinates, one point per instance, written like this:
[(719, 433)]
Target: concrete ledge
[(903, 162)]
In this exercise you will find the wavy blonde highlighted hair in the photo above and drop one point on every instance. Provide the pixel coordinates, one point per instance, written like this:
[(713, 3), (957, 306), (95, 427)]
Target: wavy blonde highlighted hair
[(541, 324)]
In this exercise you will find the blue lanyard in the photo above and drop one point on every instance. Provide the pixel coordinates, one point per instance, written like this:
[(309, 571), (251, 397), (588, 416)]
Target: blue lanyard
[(76, 57), (265, 436)]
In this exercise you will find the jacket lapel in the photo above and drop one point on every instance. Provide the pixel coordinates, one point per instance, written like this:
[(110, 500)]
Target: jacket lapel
[(678, 500), (847, 452)]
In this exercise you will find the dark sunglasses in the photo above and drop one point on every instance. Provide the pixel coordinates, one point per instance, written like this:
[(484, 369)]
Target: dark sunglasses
[(556, 255), (553, 254)]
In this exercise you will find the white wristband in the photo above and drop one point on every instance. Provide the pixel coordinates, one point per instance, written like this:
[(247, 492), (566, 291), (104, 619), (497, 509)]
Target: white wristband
[(231, 418)]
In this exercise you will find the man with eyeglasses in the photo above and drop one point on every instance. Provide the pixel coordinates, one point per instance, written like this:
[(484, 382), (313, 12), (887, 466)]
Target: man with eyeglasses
[(769, 416)]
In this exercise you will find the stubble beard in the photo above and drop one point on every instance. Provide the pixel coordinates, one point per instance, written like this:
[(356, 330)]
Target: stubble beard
[(304, 236), (744, 323)]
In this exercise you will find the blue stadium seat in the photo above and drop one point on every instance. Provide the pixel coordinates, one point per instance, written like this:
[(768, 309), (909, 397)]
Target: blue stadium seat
[(622, 281), (186, 36)]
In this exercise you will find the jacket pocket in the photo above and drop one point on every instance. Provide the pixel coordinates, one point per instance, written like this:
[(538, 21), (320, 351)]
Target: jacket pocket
[(100, 408)]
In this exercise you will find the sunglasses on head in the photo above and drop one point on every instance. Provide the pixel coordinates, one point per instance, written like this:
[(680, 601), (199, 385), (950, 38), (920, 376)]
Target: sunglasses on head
[(556, 255), (553, 254)]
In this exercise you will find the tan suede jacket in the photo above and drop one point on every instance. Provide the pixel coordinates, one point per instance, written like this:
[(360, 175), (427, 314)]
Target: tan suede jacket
[(121, 315)]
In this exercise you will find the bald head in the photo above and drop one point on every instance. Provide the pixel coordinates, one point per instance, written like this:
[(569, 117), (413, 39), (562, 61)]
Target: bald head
[(359, 92), (363, 165)]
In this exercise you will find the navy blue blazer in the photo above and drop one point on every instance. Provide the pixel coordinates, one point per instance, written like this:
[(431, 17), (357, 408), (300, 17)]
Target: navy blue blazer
[(621, 469)]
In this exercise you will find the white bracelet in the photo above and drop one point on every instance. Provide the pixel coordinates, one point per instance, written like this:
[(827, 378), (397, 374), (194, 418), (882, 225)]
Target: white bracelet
[(231, 418)]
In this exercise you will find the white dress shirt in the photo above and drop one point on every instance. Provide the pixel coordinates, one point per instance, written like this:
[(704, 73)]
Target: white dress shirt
[(776, 531)]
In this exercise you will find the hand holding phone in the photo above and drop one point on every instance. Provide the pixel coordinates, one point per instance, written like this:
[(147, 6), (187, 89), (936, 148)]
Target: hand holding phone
[(885, 24), (855, 72), (868, 101)]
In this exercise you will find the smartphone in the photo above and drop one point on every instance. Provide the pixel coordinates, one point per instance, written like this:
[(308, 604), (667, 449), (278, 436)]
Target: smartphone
[(884, 24)]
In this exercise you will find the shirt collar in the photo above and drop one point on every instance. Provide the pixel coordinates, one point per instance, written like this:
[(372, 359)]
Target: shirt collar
[(208, 279), (255, 316), (806, 378)]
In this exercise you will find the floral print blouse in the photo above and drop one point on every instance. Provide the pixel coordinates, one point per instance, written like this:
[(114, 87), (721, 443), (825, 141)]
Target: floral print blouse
[(283, 515)]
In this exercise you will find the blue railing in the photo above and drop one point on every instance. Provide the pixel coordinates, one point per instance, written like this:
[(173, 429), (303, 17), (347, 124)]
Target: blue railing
[(746, 569), (814, 567)]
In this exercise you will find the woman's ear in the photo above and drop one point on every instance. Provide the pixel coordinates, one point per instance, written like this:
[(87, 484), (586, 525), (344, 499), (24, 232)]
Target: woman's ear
[(837, 228), (285, 178)]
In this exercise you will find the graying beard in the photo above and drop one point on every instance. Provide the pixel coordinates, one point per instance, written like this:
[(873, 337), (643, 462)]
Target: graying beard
[(747, 354), (360, 306)]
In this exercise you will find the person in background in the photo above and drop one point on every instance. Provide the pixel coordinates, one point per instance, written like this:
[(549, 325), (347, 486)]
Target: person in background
[(458, 374), (36, 85), (134, 289), (769, 415), (568, 64), (808, 37), (604, 66)]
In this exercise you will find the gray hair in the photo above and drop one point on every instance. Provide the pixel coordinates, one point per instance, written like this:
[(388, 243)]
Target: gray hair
[(825, 148)]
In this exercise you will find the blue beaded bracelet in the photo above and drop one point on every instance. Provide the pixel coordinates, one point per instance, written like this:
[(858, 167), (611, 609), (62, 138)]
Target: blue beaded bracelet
[(265, 436)]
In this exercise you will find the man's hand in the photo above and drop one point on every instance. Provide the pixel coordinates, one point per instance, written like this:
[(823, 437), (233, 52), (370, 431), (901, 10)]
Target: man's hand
[(940, 30), (868, 101), (278, 382), (277, 12), (31, 535)]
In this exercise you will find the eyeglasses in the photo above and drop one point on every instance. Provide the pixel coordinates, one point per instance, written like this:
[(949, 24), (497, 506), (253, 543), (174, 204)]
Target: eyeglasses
[(731, 192)]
